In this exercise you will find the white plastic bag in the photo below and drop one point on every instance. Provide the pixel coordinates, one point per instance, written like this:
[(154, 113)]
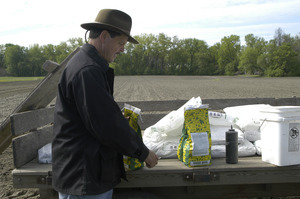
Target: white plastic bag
[(257, 145), (218, 134), (247, 117), (164, 148), (219, 119), (45, 154), (245, 148), (252, 136), (163, 137)]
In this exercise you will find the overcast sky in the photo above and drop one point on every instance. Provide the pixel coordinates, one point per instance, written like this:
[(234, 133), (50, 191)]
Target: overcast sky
[(28, 22)]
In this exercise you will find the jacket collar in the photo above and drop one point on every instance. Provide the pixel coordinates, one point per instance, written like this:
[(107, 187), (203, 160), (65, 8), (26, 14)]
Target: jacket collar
[(93, 53)]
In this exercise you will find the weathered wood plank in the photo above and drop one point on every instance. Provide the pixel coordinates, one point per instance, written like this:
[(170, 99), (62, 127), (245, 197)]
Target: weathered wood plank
[(249, 170), (293, 101), (50, 66), (29, 120), (172, 172), (219, 104), (33, 168), (213, 192), (40, 97), (25, 147), (5, 135)]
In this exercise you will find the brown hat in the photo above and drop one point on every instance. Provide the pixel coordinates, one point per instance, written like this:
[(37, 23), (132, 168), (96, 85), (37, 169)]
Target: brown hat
[(114, 20)]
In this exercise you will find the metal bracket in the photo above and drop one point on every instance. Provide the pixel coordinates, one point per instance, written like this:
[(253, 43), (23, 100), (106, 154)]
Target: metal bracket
[(46, 179), (201, 176)]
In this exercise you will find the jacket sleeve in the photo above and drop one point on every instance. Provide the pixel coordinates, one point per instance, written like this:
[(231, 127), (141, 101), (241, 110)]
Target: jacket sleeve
[(102, 116)]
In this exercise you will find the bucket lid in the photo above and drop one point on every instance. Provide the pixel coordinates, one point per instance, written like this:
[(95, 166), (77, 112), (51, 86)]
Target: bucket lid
[(280, 113), (280, 109)]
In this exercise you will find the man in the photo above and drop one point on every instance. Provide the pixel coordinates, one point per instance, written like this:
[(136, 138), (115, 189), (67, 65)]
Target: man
[(91, 134)]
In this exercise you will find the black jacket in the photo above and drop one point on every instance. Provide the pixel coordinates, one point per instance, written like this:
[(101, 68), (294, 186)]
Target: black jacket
[(90, 132)]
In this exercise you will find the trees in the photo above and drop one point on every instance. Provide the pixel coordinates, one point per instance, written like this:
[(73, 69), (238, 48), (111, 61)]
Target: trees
[(195, 51), (281, 57), (2, 50), (14, 60), (163, 55), (228, 54), (176, 57), (278, 37), (21, 61), (282, 61), (36, 58), (212, 60), (255, 47)]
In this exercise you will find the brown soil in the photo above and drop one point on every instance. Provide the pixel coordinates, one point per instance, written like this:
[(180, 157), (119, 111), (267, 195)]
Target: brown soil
[(146, 88)]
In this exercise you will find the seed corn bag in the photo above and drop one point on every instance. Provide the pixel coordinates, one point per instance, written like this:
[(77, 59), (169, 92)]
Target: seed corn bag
[(133, 113), (195, 143), (182, 142)]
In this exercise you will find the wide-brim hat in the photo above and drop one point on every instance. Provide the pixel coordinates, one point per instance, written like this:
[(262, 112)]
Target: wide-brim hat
[(114, 20)]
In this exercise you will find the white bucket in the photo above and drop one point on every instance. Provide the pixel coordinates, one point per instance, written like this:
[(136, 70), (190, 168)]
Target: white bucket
[(280, 135)]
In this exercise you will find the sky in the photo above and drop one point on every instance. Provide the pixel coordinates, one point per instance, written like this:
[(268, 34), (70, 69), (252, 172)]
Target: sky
[(29, 22)]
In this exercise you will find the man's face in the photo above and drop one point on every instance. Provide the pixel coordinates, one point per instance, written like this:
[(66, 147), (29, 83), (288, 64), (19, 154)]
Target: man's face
[(113, 46)]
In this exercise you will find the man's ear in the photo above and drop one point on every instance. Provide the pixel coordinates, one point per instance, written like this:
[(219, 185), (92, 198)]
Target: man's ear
[(104, 34)]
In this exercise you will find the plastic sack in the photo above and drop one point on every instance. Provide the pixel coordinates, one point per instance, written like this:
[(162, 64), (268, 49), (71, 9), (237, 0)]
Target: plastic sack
[(45, 154), (218, 134), (246, 117), (257, 145), (133, 113), (252, 136), (245, 148), (163, 137), (170, 125), (165, 148), (218, 119), (195, 143)]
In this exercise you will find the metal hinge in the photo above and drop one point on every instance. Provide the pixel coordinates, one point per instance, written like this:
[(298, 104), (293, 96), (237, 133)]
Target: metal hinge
[(201, 176), (46, 179)]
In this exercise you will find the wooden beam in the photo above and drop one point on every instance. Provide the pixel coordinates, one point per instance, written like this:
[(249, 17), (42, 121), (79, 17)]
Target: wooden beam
[(5, 135), (29, 120), (50, 66)]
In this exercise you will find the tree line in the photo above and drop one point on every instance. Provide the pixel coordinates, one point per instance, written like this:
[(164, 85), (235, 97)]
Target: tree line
[(164, 55), (27, 62)]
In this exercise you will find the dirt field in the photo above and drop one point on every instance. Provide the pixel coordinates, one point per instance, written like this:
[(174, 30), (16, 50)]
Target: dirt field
[(147, 88)]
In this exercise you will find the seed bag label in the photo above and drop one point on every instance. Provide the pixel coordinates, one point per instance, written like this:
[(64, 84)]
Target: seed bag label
[(200, 144)]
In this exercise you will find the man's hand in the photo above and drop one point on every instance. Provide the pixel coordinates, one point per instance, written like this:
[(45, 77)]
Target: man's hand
[(127, 117), (151, 159)]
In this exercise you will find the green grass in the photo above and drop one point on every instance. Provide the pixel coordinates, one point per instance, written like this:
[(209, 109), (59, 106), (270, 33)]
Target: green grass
[(17, 79)]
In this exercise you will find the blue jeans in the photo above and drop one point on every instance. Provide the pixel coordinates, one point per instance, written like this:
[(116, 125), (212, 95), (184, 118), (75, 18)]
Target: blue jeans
[(106, 195)]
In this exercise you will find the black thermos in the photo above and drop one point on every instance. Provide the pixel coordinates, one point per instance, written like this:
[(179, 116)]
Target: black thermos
[(231, 146)]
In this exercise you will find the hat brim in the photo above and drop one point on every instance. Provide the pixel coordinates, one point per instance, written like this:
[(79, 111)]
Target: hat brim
[(95, 25)]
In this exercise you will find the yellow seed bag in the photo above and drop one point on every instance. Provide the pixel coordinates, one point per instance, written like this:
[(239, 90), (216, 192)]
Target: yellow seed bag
[(133, 113), (195, 144)]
